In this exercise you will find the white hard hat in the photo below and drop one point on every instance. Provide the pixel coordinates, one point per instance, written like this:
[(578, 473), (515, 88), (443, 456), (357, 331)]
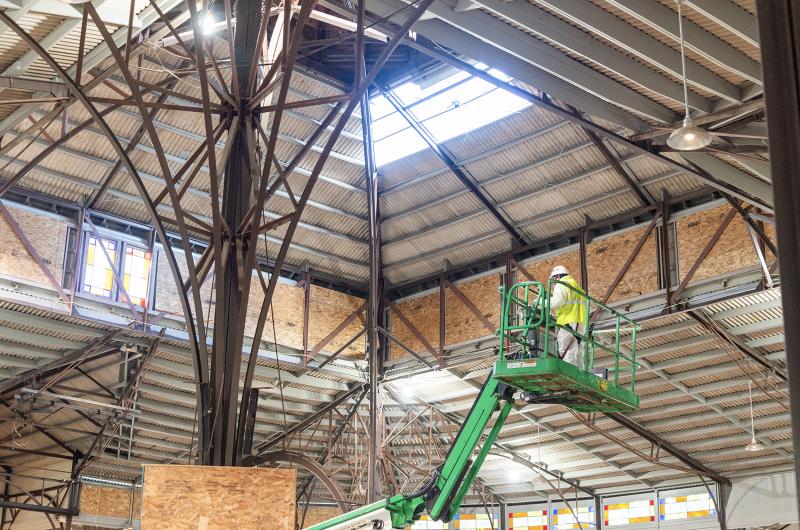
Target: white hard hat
[(559, 270)]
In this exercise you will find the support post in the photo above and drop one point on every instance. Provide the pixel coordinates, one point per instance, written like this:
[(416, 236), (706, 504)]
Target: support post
[(375, 309), (598, 512), (442, 318), (504, 515), (6, 492), (231, 293), (306, 312), (664, 249), (583, 237)]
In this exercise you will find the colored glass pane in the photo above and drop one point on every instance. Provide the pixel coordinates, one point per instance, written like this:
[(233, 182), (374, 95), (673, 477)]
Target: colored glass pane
[(136, 274), (531, 520), (672, 508), (475, 521), (98, 275), (564, 519), (425, 523), (632, 512)]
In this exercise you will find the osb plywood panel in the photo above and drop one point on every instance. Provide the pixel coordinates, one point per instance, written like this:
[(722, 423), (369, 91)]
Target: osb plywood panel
[(47, 235), (605, 257), (107, 502), (218, 498), (315, 515), (328, 309), (461, 323), (733, 251), (423, 312), (540, 269), (769, 229)]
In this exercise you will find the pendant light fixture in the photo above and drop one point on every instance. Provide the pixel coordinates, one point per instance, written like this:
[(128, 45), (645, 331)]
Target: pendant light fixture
[(754, 445), (689, 137)]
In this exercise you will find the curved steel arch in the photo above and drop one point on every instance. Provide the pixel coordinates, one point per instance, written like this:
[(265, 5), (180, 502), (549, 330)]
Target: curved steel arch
[(310, 465), (199, 349)]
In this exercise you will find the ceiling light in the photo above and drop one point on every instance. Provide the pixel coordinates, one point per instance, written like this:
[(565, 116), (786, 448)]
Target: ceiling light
[(689, 137), (514, 476), (754, 446)]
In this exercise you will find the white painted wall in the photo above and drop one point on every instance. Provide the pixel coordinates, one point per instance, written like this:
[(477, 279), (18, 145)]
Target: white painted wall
[(763, 500)]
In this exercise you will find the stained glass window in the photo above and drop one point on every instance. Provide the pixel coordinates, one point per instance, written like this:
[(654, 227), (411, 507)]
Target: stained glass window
[(532, 520), (563, 519), (632, 512), (136, 274), (425, 523), (475, 521), (671, 508), (98, 276)]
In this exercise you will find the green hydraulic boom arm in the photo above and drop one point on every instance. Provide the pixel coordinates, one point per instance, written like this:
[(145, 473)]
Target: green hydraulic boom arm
[(443, 492)]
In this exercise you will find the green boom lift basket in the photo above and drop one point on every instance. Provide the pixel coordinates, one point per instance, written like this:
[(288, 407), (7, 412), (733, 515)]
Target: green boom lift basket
[(529, 361)]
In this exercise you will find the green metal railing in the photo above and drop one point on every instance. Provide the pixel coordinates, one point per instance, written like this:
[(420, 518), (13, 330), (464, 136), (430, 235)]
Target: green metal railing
[(526, 314)]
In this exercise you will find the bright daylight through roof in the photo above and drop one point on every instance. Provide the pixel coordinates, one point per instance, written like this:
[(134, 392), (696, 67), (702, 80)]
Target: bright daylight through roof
[(449, 107)]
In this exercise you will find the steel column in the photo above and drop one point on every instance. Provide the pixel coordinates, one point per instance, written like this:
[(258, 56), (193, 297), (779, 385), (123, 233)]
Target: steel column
[(376, 342), (230, 289)]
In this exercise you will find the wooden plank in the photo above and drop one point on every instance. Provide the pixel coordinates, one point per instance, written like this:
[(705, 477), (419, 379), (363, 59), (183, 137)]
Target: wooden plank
[(466, 301), (217, 498), (412, 328)]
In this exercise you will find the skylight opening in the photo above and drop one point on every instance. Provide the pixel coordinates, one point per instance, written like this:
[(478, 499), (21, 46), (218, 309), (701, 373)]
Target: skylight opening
[(447, 108)]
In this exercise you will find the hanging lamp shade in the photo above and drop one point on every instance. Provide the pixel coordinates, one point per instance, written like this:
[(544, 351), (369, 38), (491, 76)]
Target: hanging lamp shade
[(689, 137), (754, 446)]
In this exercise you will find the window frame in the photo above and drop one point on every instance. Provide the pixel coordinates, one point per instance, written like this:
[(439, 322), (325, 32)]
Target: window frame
[(119, 267)]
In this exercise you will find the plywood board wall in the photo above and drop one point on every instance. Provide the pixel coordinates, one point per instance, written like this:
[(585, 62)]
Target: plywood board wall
[(104, 501), (317, 514), (733, 251), (217, 498), (47, 235), (604, 259), (461, 324), (540, 269), (328, 308)]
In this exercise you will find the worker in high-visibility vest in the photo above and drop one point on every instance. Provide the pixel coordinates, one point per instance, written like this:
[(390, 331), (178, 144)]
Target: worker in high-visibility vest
[(569, 307)]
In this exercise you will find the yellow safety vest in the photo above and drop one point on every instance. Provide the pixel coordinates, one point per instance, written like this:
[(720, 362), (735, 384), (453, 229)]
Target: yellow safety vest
[(574, 309)]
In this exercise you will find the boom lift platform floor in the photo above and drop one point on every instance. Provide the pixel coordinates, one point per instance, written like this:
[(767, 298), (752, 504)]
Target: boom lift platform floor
[(553, 380)]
